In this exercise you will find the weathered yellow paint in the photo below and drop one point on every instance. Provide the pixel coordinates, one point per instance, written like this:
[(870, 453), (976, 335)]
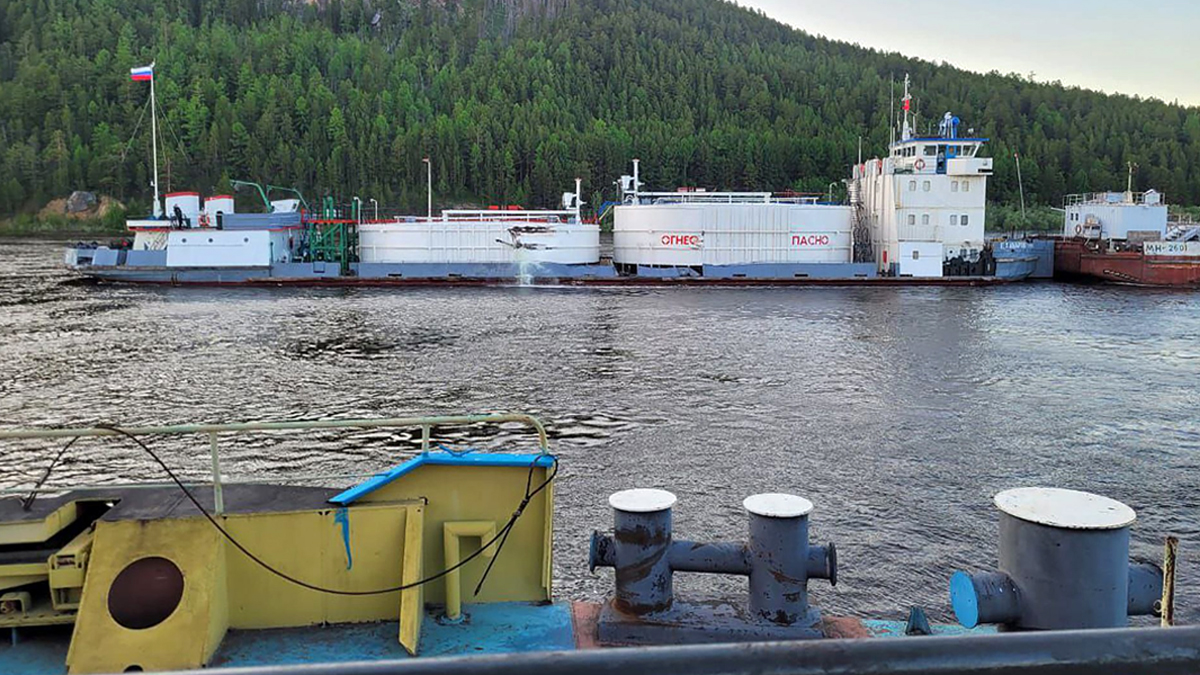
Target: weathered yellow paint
[(412, 600), (37, 531), (19, 574), (400, 534), (485, 530), (482, 493), (310, 546), (67, 567), (185, 639)]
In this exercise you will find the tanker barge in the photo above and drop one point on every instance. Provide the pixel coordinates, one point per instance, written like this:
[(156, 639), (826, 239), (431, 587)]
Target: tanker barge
[(915, 217), (1127, 238), (449, 553)]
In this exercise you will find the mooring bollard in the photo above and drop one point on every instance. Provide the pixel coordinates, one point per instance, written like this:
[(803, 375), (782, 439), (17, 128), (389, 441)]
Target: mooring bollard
[(1064, 563), (777, 558)]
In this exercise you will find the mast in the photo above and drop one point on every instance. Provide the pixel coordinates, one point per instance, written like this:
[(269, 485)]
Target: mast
[(154, 142), (906, 134)]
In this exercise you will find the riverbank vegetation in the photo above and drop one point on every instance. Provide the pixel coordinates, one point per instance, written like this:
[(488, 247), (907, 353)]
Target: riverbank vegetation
[(512, 99)]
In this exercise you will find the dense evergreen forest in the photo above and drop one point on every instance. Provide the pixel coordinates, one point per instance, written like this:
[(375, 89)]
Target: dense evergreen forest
[(512, 99)]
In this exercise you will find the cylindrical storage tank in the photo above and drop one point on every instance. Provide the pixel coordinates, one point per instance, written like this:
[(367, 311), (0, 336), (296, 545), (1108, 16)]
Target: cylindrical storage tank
[(779, 556), (479, 241), (1067, 554), (188, 203), (218, 204), (641, 543), (737, 233)]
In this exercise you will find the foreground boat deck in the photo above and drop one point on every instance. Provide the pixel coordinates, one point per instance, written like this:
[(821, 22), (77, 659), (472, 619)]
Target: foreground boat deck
[(494, 628)]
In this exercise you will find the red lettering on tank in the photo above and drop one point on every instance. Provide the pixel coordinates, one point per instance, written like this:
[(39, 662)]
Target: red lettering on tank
[(680, 240), (810, 240)]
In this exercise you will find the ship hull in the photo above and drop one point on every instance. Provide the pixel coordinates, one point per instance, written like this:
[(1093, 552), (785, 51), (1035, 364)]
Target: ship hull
[(1079, 260)]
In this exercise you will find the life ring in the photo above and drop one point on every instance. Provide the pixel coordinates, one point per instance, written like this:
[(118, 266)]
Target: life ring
[(204, 222), (1078, 230), (919, 164)]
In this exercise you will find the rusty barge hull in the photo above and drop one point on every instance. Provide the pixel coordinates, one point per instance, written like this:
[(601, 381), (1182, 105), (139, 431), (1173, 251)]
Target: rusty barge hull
[(1077, 259)]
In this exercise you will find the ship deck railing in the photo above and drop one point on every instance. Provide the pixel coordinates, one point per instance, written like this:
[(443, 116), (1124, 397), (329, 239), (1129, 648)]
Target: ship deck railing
[(215, 431), (1115, 198), (725, 198)]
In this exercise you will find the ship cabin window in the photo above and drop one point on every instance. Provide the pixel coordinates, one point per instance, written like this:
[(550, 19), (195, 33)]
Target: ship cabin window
[(912, 186), (930, 150), (912, 219), (954, 219), (966, 186), (926, 186), (964, 220), (925, 219), (954, 186)]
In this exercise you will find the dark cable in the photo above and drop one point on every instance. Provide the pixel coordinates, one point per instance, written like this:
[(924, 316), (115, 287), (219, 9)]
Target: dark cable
[(27, 503), (529, 495)]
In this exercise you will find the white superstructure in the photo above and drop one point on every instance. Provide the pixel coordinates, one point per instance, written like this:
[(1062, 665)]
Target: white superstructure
[(1138, 216), (924, 203)]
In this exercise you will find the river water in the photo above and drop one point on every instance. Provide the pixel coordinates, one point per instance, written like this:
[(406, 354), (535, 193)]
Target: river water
[(899, 412)]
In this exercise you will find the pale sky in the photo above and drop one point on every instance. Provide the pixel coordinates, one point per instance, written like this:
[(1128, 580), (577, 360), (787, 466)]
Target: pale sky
[(1148, 48)]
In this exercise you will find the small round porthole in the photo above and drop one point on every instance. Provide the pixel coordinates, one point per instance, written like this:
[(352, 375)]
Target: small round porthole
[(246, 239), (210, 240), (145, 593), (184, 240)]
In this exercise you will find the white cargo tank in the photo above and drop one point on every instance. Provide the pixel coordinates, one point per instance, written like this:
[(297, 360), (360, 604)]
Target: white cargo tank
[(695, 229), (218, 205), (189, 206), (485, 236)]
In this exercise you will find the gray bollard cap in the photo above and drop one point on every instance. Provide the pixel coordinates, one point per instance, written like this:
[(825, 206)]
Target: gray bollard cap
[(641, 500), (1065, 509), (777, 505)]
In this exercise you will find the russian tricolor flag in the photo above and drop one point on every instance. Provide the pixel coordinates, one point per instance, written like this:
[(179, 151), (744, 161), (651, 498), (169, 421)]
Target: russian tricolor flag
[(144, 74)]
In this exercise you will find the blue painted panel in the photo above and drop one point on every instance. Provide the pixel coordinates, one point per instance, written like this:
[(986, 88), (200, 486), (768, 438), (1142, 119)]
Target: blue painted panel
[(440, 459), (147, 258), (105, 256), (792, 271), (895, 629), (305, 270), (481, 270), (37, 651)]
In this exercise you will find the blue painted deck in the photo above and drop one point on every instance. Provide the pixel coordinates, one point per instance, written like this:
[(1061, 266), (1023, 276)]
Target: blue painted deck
[(894, 629), (37, 651), (487, 629)]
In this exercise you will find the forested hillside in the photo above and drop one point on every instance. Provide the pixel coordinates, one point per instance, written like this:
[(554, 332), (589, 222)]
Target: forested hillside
[(512, 99)]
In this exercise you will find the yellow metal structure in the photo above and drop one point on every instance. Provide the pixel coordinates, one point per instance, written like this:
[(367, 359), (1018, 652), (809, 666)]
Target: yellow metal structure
[(36, 531), (67, 568), (485, 530), (477, 494), (425, 519)]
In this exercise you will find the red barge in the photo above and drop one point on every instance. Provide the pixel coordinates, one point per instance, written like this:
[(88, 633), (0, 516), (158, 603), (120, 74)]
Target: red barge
[(1127, 238)]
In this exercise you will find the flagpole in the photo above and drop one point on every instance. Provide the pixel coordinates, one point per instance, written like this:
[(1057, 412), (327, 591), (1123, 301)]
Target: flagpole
[(154, 142)]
